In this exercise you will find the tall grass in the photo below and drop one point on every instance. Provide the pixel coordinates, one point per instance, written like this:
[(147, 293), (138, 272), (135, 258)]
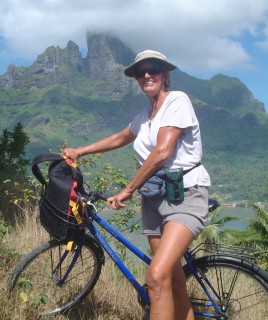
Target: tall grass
[(112, 298)]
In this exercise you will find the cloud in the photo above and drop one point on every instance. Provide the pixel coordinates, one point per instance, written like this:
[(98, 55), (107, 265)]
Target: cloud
[(196, 35), (263, 43)]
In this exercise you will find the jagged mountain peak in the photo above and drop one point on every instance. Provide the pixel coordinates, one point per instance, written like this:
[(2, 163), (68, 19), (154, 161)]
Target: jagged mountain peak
[(106, 58), (55, 56), (103, 48)]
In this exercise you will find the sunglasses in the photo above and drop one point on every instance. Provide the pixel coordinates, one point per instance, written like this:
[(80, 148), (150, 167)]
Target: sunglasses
[(152, 71)]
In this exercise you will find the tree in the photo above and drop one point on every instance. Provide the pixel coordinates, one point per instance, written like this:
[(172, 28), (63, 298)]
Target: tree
[(12, 162), (257, 235), (260, 225), (12, 153), (214, 227)]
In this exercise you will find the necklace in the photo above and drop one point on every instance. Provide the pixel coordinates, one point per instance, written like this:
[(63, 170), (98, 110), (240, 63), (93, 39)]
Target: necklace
[(158, 100)]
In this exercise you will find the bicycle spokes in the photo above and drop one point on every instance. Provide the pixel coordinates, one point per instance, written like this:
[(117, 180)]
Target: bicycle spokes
[(237, 294), (60, 273)]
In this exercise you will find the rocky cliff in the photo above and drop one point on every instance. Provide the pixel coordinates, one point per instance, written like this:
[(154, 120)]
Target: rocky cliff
[(105, 61)]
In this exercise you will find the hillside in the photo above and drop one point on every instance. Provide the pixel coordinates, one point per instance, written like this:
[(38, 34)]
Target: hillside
[(64, 97)]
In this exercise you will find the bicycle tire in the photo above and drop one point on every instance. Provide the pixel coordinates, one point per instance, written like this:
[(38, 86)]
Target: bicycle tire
[(241, 285), (31, 281)]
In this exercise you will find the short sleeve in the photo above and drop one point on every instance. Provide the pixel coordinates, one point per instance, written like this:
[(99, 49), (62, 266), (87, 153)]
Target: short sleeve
[(178, 113)]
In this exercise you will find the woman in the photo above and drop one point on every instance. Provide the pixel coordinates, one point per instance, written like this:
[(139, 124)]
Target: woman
[(166, 135)]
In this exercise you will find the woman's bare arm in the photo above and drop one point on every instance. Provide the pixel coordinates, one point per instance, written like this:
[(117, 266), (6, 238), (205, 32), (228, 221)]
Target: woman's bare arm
[(112, 142), (166, 140)]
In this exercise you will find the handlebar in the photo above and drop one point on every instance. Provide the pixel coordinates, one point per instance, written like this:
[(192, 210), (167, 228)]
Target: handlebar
[(94, 196)]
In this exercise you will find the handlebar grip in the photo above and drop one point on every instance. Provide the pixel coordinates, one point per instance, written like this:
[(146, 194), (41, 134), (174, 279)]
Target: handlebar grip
[(101, 196), (96, 195)]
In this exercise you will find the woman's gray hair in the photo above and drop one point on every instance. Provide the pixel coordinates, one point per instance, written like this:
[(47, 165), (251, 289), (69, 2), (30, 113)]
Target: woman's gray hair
[(167, 78)]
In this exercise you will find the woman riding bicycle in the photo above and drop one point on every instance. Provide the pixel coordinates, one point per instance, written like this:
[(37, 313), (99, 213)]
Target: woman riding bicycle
[(166, 135)]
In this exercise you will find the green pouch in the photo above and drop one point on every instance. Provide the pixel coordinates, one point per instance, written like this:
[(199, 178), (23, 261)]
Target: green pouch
[(174, 185)]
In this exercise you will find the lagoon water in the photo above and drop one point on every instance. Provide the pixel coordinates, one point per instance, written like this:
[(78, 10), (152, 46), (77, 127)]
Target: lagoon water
[(244, 214)]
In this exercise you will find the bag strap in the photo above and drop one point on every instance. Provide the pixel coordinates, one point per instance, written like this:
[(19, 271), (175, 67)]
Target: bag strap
[(161, 173), (42, 158), (186, 171)]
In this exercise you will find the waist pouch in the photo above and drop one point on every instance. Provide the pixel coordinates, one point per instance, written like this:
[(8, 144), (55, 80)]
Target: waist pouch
[(166, 182), (155, 186)]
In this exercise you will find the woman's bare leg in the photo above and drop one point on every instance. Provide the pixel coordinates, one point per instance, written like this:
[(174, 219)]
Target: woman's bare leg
[(165, 277), (182, 304)]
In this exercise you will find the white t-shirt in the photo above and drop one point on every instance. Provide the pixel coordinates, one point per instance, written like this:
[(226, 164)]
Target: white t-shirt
[(176, 111)]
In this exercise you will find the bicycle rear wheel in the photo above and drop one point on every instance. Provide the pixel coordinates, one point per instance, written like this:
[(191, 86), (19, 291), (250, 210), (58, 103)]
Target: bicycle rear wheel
[(34, 282), (241, 288)]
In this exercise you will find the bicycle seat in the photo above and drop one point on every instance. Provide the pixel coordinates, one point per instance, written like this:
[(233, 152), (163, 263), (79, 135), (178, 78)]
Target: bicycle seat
[(213, 204)]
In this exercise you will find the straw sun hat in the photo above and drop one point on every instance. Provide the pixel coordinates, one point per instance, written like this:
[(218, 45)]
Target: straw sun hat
[(130, 71)]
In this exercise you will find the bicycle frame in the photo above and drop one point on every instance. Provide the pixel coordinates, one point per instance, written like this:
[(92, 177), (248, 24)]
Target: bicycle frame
[(94, 217)]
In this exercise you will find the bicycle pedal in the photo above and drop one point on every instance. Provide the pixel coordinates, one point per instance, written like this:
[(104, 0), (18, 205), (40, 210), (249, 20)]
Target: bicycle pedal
[(146, 312), (141, 301)]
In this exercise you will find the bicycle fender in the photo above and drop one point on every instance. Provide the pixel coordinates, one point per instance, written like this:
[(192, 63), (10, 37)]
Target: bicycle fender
[(226, 259)]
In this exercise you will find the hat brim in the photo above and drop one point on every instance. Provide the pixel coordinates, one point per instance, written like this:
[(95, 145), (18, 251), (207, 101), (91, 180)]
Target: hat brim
[(130, 71)]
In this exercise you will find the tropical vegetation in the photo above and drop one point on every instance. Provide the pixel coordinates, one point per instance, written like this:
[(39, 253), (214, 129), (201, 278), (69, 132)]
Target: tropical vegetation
[(23, 232)]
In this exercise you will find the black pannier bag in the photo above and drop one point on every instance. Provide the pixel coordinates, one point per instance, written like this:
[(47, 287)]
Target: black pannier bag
[(61, 207)]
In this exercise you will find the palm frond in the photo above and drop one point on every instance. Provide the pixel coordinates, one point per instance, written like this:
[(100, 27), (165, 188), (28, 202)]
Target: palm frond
[(260, 212), (223, 220), (259, 226), (260, 222)]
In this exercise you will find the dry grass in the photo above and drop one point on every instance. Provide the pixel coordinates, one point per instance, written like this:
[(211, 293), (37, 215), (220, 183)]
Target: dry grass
[(113, 297)]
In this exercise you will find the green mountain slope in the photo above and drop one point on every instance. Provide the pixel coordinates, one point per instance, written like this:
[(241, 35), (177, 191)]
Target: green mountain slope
[(58, 99)]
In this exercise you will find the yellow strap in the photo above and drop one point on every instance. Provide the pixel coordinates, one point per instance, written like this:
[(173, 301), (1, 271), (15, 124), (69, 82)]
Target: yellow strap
[(75, 211), (73, 164), (70, 245)]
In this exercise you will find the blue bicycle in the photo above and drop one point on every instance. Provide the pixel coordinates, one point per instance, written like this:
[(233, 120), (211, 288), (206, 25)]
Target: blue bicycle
[(222, 281)]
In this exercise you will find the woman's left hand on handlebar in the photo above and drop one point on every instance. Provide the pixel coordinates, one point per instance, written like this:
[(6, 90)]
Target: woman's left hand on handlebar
[(117, 202)]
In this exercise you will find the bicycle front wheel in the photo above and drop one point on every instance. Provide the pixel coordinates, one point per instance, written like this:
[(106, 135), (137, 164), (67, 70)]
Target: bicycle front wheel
[(239, 288), (37, 282)]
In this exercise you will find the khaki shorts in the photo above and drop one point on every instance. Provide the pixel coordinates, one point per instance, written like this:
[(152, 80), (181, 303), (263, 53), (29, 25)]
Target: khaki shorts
[(192, 212)]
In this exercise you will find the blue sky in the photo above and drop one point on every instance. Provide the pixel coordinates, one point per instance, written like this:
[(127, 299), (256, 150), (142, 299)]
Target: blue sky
[(202, 37)]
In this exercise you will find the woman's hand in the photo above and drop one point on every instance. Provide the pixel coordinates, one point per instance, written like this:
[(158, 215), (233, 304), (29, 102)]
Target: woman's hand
[(117, 202), (71, 153)]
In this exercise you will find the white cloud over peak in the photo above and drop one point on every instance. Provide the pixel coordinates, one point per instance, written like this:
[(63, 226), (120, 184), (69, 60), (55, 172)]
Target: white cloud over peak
[(196, 35)]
